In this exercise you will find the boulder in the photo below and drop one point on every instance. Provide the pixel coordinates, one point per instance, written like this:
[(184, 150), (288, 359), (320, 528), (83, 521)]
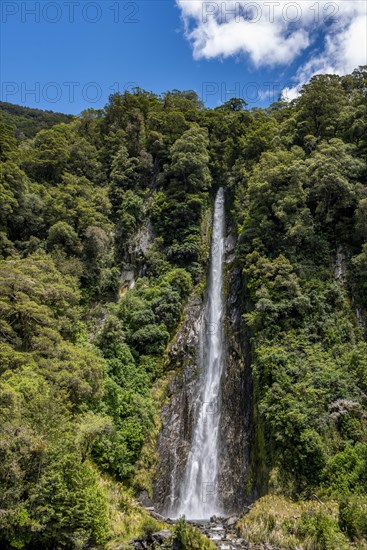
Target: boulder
[(145, 500), (232, 521), (161, 536), (158, 517)]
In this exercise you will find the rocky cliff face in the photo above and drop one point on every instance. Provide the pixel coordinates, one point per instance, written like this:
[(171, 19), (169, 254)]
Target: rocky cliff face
[(179, 412), (235, 426)]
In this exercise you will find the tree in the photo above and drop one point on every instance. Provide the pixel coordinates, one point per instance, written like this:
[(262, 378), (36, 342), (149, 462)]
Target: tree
[(13, 187), (99, 273), (333, 176), (190, 160), (78, 203), (277, 202), (48, 494), (181, 281), (128, 174), (8, 143), (49, 154), (234, 104), (319, 106), (130, 213), (186, 101), (63, 235)]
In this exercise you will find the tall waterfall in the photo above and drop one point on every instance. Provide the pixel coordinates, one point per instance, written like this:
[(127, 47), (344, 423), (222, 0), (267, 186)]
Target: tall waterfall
[(198, 492)]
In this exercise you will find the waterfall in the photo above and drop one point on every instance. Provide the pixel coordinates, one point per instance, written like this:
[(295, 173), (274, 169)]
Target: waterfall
[(198, 498)]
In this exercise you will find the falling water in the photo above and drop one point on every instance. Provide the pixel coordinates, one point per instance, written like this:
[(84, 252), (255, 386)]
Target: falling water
[(198, 492)]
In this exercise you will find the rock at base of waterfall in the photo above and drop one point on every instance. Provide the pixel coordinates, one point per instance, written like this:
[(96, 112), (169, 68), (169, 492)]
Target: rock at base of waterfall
[(232, 521), (161, 536), (160, 518), (145, 500), (151, 541)]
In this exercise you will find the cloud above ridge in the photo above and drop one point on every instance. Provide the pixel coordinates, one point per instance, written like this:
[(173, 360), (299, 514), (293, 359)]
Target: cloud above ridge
[(276, 34)]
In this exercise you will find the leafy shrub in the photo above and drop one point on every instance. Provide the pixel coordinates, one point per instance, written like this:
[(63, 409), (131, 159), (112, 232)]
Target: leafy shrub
[(353, 516), (181, 281), (346, 471), (151, 339), (149, 526), (283, 523), (321, 531), (63, 235), (187, 537)]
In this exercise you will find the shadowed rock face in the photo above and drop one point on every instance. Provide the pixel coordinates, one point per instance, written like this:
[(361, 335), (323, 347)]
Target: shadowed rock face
[(235, 426), (178, 413)]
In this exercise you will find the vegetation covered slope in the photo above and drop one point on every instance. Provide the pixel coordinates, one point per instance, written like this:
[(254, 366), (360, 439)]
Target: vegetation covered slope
[(302, 222), (127, 187), (27, 122), (301, 214)]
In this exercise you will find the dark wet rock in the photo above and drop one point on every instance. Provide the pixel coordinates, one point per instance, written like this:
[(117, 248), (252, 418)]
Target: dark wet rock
[(155, 540), (224, 536), (215, 519), (232, 521), (177, 415), (162, 536), (160, 518), (145, 500), (235, 425)]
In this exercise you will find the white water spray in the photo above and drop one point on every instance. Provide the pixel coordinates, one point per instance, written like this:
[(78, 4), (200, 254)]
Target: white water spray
[(198, 492)]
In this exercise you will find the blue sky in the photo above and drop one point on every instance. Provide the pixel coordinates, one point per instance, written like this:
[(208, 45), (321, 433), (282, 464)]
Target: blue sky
[(68, 56)]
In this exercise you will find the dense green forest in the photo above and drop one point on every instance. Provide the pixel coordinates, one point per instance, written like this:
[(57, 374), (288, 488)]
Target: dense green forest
[(27, 122), (130, 187)]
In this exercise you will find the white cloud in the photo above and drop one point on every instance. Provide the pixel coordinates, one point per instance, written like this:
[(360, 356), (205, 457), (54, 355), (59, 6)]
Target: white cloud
[(276, 33)]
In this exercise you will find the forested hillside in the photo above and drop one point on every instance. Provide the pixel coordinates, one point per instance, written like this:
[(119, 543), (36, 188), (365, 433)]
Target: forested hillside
[(103, 239), (27, 122)]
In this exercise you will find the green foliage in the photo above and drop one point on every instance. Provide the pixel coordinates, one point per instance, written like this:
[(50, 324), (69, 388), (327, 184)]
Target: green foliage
[(149, 526), (353, 517), (187, 537), (8, 144), (359, 268), (345, 473), (321, 531), (130, 214), (180, 281), (128, 188), (299, 205), (285, 523), (233, 104), (275, 289), (319, 106), (190, 160), (126, 402), (258, 137), (334, 188), (49, 493), (63, 235), (27, 122)]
